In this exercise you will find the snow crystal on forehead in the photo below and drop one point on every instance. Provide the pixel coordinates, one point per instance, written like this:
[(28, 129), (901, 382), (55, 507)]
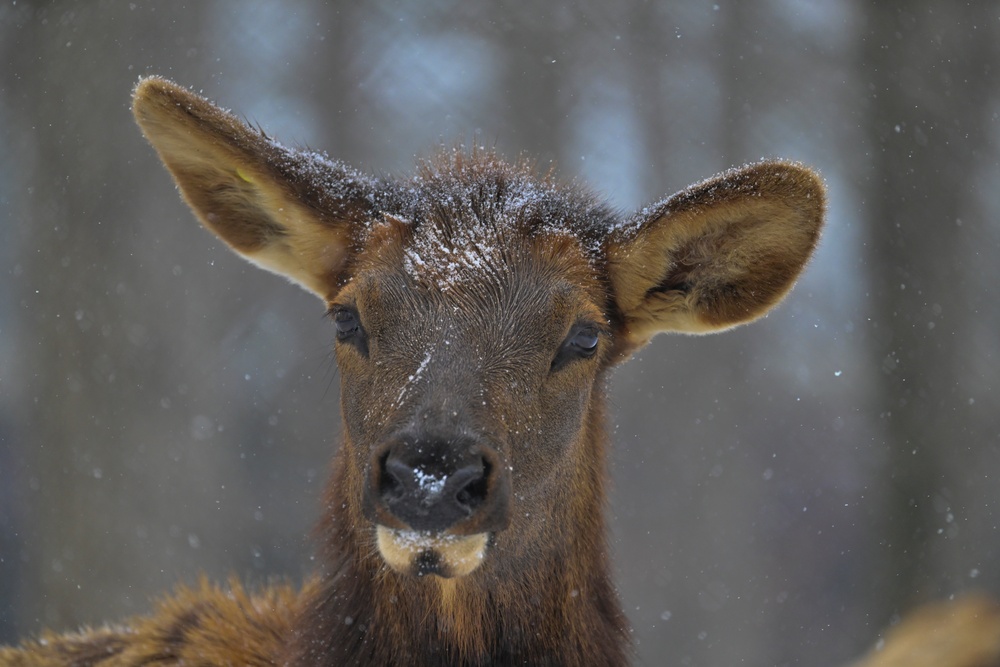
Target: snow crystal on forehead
[(466, 255), (467, 210)]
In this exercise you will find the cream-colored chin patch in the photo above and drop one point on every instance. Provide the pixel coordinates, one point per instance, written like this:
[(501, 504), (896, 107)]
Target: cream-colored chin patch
[(416, 552)]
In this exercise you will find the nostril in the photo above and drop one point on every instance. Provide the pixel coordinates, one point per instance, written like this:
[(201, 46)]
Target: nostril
[(470, 486), (393, 481)]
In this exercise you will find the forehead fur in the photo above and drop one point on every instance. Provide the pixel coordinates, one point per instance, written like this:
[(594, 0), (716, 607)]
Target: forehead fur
[(466, 216)]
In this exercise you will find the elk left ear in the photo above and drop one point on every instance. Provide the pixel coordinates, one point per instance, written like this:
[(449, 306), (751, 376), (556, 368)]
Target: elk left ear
[(718, 254)]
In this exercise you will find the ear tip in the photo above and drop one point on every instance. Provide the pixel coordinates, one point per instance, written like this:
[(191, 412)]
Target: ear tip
[(156, 91), (149, 87), (792, 173), (800, 186), (799, 179)]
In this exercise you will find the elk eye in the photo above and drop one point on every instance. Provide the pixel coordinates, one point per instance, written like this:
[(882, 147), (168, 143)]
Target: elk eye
[(346, 321), (580, 344), (585, 341)]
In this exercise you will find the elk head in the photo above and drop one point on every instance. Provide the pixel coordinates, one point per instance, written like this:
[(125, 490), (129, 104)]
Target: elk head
[(476, 309)]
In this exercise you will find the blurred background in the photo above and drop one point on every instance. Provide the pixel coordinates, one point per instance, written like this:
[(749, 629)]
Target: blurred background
[(782, 491)]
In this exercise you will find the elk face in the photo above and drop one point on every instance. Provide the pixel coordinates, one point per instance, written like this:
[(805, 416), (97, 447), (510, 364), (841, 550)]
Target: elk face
[(467, 372)]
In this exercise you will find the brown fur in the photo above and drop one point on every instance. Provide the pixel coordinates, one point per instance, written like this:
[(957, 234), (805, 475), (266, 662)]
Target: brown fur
[(960, 633), (479, 311), (206, 625)]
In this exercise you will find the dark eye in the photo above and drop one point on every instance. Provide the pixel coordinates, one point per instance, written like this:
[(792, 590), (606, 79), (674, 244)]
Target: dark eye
[(347, 322), (581, 343), (585, 341)]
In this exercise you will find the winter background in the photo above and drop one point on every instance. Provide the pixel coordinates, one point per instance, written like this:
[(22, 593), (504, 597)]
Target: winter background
[(782, 492)]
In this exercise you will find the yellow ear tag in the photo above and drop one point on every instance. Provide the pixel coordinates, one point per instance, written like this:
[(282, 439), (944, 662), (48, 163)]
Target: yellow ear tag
[(243, 175)]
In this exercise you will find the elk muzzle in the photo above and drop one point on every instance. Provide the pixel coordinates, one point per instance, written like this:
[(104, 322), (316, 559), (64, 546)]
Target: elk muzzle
[(435, 502)]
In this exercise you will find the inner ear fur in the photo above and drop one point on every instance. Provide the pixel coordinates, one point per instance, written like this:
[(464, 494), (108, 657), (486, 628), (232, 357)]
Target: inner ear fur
[(718, 254), (291, 212)]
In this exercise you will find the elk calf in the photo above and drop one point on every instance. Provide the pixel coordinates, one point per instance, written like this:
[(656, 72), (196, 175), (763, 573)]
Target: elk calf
[(478, 310)]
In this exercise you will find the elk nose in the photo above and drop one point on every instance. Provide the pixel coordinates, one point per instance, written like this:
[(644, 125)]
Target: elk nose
[(438, 487), (430, 498)]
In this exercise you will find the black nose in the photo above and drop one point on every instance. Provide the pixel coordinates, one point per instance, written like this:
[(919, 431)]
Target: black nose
[(432, 498), (436, 485)]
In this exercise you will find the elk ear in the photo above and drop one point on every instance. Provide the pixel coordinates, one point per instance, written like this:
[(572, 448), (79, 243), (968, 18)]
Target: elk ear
[(291, 212), (718, 254)]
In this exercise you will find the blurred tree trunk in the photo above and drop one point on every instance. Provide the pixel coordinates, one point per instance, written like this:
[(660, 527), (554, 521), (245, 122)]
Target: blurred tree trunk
[(74, 298), (712, 592), (68, 260), (651, 104), (12, 482), (738, 79), (335, 94), (923, 157), (531, 80)]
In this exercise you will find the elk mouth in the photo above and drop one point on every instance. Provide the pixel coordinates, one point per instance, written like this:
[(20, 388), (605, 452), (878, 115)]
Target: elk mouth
[(420, 553)]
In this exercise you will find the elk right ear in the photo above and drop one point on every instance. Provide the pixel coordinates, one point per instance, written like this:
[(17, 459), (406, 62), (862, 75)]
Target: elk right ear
[(293, 213), (721, 253)]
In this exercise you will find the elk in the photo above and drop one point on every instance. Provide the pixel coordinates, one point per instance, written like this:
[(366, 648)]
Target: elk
[(478, 309)]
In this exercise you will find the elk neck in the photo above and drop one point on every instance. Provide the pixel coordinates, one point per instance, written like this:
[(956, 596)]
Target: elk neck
[(543, 596)]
